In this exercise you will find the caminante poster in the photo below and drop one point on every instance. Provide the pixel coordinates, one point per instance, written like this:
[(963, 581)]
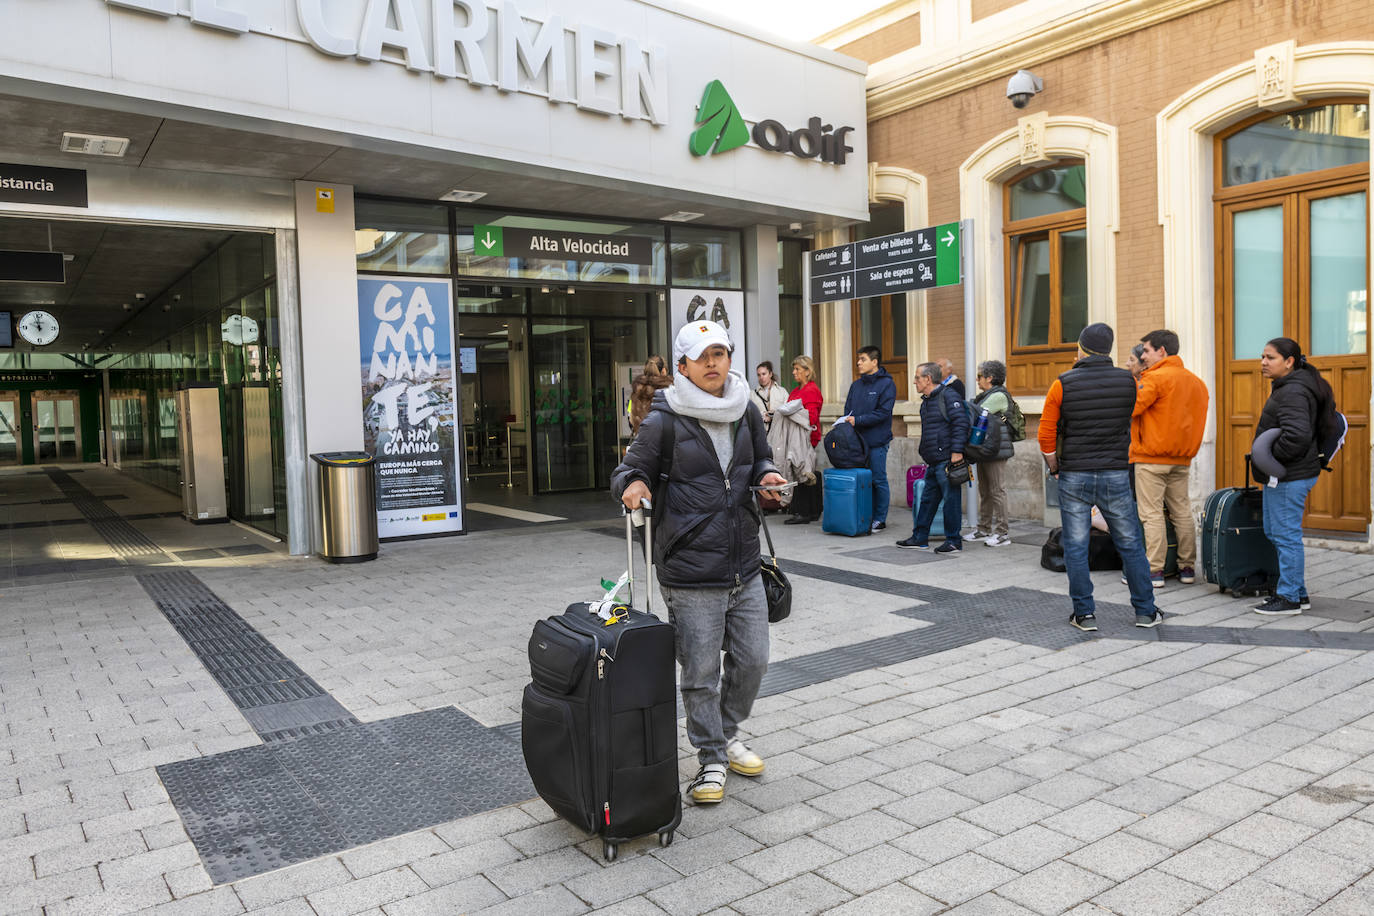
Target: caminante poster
[(410, 403)]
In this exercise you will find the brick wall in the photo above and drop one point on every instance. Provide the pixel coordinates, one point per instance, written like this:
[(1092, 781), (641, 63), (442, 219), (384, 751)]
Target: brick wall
[(1124, 82), (879, 45), (983, 8)]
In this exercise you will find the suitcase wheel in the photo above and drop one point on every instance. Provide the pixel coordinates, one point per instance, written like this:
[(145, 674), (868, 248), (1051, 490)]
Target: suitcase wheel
[(608, 850), (665, 838)]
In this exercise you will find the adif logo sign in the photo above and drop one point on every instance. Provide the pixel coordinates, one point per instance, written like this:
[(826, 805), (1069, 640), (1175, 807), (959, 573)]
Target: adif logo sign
[(721, 128), (484, 44)]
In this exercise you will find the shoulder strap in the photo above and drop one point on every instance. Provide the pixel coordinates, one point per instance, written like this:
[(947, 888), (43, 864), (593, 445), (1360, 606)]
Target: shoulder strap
[(940, 401), (667, 442)]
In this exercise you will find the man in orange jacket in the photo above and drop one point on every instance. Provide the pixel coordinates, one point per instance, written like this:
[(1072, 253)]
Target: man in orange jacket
[(1166, 432)]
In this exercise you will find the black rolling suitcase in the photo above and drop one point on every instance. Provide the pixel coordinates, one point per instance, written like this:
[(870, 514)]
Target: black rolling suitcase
[(599, 721), (1235, 553)]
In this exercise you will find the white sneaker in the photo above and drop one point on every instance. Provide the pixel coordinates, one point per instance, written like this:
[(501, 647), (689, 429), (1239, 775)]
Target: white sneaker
[(742, 760), (997, 540), (708, 786)]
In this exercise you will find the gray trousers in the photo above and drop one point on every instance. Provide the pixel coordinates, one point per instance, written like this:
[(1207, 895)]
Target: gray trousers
[(992, 497), (710, 621)]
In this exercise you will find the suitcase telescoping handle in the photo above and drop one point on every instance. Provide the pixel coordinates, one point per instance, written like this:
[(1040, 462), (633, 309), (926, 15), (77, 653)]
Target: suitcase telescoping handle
[(641, 516)]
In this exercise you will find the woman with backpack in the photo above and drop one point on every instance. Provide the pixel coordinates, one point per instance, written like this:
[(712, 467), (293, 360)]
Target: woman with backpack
[(1297, 408), (992, 495)]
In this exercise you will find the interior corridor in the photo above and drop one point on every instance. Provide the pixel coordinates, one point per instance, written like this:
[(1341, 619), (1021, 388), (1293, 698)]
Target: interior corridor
[(60, 522)]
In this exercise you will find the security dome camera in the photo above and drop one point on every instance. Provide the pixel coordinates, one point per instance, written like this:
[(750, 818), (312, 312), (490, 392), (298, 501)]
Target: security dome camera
[(1022, 85), (794, 228)]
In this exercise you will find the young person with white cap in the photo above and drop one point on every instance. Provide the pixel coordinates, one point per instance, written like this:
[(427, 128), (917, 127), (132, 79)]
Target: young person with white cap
[(700, 449)]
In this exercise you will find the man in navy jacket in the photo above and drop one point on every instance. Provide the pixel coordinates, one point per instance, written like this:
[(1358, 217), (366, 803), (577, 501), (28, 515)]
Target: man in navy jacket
[(868, 407), (944, 433)]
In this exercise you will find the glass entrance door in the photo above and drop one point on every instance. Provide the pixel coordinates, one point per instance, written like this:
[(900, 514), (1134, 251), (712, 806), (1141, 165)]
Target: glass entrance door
[(561, 363), (580, 342), (56, 426), (11, 440)]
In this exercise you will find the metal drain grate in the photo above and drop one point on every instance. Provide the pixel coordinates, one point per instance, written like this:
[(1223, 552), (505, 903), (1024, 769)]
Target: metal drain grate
[(277, 698), (256, 809), (123, 538)]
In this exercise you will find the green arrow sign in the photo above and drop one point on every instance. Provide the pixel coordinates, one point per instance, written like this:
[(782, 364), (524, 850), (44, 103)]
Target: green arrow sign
[(487, 241), (947, 254)]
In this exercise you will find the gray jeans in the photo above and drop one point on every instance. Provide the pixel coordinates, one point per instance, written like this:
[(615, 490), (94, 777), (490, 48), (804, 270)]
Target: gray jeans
[(710, 621)]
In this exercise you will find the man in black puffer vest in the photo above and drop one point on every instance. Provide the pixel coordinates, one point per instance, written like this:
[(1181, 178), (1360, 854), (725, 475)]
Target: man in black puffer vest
[(1085, 436)]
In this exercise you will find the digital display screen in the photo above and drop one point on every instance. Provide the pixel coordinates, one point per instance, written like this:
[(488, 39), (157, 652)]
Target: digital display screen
[(467, 360), (6, 331)]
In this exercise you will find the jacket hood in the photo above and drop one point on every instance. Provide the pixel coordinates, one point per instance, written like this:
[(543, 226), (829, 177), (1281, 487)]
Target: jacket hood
[(1305, 379), (872, 379)]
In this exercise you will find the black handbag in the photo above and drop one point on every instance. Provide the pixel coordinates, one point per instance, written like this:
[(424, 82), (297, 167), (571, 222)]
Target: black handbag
[(776, 588), (958, 473)]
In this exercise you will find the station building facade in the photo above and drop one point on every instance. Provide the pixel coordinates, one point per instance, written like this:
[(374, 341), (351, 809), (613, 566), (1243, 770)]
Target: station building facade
[(444, 231), (1197, 165)]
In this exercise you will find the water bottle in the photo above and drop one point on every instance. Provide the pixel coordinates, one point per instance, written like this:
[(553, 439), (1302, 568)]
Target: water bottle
[(980, 429)]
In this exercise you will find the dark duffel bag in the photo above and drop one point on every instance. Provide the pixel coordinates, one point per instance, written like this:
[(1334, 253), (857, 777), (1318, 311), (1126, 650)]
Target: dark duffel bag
[(845, 448), (599, 719)]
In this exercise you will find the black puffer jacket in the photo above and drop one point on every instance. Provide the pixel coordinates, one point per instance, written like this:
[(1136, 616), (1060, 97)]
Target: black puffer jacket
[(708, 532), (1292, 408), (944, 425)]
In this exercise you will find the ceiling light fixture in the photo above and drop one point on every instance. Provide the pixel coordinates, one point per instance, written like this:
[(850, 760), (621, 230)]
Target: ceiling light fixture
[(93, 145), (681, 216), (543, 289), (459, 196), (128, 307)]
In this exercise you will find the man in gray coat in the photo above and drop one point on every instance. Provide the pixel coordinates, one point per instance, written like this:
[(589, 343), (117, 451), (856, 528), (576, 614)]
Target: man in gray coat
[(698, 452)]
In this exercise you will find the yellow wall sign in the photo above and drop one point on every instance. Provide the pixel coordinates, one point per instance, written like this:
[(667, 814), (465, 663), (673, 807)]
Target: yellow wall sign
[(324, 200)]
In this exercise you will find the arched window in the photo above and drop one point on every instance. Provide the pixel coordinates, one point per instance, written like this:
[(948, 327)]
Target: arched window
[(1292, 210), (1047, 271)]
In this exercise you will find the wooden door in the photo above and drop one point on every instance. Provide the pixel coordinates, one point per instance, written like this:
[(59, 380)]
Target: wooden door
[(881, 322), (1293, 263)]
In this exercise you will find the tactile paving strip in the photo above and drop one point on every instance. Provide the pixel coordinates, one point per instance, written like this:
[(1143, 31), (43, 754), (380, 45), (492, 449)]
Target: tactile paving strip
[(277, 698), (1019, 614), (256, 809), (123, 538)]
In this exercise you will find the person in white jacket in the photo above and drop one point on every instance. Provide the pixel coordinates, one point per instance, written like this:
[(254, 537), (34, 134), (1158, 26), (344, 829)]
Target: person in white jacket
[(769, 395)]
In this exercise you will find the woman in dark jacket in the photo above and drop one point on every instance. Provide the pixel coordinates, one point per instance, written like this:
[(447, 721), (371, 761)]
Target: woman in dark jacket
[(1294, 407), (699, 450)]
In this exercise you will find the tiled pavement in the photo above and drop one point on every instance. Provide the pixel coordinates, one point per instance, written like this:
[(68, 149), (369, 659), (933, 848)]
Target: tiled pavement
[(1027, 769)]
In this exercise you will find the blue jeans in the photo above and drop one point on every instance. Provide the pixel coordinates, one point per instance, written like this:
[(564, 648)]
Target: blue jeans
[(1283, 506), (722, 646), (877, 463), (937, 486), (1110, 491)]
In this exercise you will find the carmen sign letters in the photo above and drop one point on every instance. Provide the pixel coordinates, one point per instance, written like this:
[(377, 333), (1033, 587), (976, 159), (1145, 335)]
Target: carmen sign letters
[(611, 73)]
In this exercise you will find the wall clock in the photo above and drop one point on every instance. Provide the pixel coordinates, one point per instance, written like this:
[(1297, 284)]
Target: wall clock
[(38, 328)]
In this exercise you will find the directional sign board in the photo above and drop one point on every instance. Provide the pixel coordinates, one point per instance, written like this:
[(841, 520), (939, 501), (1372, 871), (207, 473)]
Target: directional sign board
[(897, 263), (560, 245)]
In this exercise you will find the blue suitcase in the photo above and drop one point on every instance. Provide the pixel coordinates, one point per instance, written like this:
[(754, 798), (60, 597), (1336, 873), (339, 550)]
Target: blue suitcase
[(847, 501), (937, 525)]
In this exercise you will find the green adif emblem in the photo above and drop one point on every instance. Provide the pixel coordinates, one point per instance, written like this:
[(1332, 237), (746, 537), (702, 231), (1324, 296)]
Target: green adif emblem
[(721, 126)]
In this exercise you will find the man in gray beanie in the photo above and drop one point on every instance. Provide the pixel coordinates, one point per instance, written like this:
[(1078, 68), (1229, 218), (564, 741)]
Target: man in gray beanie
[(1085, 437)]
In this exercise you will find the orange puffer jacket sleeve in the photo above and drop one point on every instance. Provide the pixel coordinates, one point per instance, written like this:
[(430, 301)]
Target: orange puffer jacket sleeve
[(1170, 414)]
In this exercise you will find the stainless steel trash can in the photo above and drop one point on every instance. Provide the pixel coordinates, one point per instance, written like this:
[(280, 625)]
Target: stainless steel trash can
[(348, 504)]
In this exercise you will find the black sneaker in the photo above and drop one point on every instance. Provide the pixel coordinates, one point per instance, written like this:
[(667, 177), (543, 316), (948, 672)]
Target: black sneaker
[(1087, 623), (1278, 607), (1147, 621), (950, 547), (879, 526), (910, 544), (1305, 602)]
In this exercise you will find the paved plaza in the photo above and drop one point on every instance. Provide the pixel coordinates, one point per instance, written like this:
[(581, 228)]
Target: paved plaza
[(938, 738)]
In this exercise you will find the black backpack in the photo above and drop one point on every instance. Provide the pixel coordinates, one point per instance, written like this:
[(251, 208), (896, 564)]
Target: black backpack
[(845, 447)]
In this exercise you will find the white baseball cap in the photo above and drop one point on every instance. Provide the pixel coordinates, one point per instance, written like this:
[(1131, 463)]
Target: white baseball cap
[(695, 336)]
